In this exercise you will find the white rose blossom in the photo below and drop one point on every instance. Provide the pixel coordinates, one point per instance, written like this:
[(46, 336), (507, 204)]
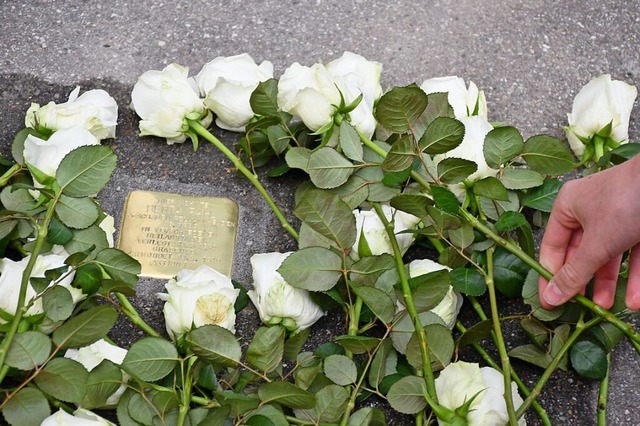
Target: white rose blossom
[(464, 101), (313, 93), (11, 276), (276, 300), (94, 110), (80, 417), (471, 148), (227, 84), (600, 102), (460, 381), (91, 356), (450, 305), (46, 156), (199, 297), (369, 224), (163, 99)]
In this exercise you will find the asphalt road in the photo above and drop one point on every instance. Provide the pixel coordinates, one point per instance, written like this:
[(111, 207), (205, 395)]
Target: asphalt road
[(530, 58)]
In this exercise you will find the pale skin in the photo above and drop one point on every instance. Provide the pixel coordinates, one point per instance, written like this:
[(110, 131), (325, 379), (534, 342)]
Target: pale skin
[(594, 221)]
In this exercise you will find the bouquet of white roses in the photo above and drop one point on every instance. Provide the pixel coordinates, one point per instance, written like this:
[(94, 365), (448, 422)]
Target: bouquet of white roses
[(391, 176)]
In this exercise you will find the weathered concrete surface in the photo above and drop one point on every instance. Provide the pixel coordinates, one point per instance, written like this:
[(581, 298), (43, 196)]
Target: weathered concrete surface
[(530, 58)]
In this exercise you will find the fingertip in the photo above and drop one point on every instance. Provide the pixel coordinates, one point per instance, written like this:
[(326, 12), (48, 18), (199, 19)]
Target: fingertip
[(554, 295)]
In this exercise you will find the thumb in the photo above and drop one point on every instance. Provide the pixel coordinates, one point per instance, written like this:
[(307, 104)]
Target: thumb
[(571, 278)]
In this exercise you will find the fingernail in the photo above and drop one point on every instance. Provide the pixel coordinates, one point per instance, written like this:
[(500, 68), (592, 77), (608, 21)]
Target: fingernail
[(553, 295)]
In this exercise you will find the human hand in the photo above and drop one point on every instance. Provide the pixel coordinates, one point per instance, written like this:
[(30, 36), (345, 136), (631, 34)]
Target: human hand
[(594, 220)]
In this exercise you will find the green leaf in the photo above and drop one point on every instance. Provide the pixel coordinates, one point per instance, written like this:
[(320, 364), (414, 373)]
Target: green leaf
[(442, 135), (64, 379), (494, 208), (328, 215), (535, 330), (368, 416), (85, 328), (412, 203), (445, 200), (270, 412), (58, 232), (215, 344), (88, 277), (501, 145), (150, 359), (476, 333), (57, 303), (521, 178), (327, 349), (28, 350), (378, 301), (312, 268), (468, 281), (298, 158), (353, 192), (119, 265), (266, 348), (509, 221), (441, 347), (406, 395), (293, 344), (28, 407), (438, 106), (403, 327), (77, 213), (259, 420), (428, 290), (264, 99), (542, 198), (531, 354), (328, 169), (340, 370), (358, 344), (19, 200), (103, 381), (86, 170), (589, 360), (350, 142), (462, 237), (287, 394), (87, 239), (331, 402), (378, 369), (547, 155), (455, 170), (401, 155), (509, 272), (400, 108), (530, 296), (492, 188)]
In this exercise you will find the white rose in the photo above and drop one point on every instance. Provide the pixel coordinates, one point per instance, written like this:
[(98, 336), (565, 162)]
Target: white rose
[(80, 417), (356, 75), (369, 224), (460, 381), (309, 93), (94, 110), (108, 226), (92, 355), (463, 100), (163, 99), (47, 155), (227, 84), (471, 148), (450, 305), (600, 102), (276, 300), (198, 297), (11, 276)]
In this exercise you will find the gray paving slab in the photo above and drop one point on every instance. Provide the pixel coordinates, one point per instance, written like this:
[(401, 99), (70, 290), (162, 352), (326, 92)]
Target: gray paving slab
[(530, 58)]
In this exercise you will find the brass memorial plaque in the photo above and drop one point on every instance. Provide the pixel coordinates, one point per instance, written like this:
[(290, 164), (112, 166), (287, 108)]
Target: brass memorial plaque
[(170, 232)]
